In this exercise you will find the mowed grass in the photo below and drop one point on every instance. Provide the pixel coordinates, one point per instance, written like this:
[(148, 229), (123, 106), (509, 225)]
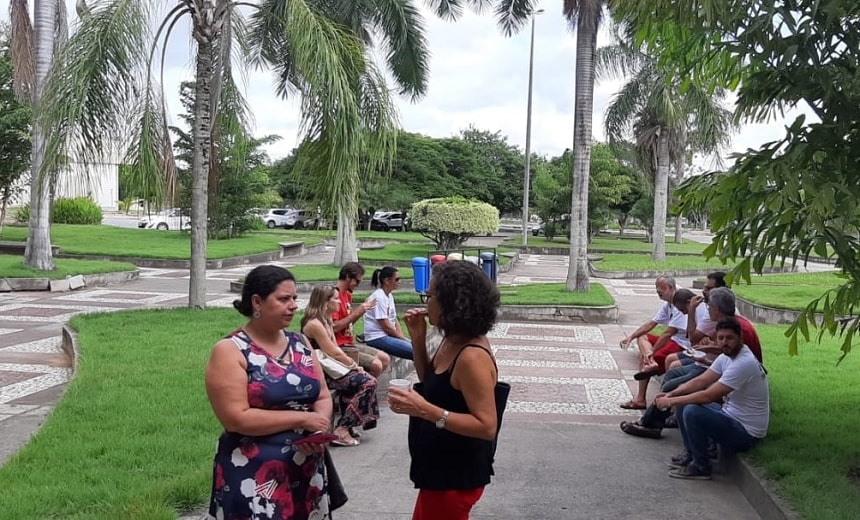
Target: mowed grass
[(396, 236), (133, 436), (329, 273), (810, 451), (11, 267), (147, 243), (787, 291), (405, 252), (614, 243), (643, 262), (535, 294)]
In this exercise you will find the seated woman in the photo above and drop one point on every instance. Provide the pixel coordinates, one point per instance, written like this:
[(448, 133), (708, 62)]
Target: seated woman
[(356, 391), (381, 328)]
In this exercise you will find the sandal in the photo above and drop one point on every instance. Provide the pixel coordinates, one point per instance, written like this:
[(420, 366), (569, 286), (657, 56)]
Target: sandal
[(355, 433), (632, 405), (346, 443), (645, 374)]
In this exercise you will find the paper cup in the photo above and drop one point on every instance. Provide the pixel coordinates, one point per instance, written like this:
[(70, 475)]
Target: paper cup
[(400, 383)]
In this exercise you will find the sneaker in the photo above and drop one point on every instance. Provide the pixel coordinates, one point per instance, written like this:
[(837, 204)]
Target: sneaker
[(690, 472), (636, 429), (682, 460)]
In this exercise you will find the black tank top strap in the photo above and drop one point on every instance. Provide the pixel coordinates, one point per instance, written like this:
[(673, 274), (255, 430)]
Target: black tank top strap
[(467, 345)]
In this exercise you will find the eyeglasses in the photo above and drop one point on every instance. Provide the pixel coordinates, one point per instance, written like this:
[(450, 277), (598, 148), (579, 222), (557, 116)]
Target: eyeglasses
[(397, 279), (424, 297)]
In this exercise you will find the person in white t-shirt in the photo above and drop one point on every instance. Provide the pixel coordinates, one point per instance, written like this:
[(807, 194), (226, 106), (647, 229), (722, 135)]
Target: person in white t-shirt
[(736, 425), (381, 328), (653, 348)]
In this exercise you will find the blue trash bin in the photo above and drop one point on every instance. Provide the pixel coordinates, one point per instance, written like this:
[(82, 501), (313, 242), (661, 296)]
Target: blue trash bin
[(421, 271), (490, 265)]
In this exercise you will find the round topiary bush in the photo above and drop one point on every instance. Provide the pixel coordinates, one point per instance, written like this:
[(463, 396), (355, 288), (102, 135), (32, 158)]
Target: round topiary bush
[(80, 210)]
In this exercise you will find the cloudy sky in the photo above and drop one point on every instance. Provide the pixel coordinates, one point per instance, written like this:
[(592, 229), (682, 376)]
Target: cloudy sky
[(478, 77)]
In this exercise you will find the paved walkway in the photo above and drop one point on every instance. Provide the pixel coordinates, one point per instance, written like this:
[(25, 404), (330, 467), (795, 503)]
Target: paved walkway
[(561, 454)]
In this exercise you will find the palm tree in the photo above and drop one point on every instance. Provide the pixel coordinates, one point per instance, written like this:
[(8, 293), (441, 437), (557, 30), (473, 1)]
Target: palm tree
[(665, 120), (585, 16), (101, 93)]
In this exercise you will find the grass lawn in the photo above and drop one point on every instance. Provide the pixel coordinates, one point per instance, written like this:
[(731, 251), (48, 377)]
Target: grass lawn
[(535, 294), (407, 251), (611, 243), (634, 262), (810, 450), (328, 273), (147, 243), (321, 234), (787, 291), (11, 267)]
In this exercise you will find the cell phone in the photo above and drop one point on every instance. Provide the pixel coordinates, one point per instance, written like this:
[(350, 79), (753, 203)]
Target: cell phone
[(316, 438)]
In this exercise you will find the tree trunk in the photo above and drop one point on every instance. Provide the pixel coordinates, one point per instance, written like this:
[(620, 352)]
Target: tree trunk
[(38, 251), (586, 43), (205, 32), (346, 247), (661, 191), (679, 178)]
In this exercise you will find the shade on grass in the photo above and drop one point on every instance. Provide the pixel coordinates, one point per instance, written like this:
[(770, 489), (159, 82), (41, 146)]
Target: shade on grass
[(11, 267), (811, 449), (787, 291), (643, 262), (534, 294), (148, 243)]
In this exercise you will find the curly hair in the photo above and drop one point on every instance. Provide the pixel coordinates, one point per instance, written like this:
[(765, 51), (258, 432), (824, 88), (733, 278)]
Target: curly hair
[(468, 301), (262, 281)]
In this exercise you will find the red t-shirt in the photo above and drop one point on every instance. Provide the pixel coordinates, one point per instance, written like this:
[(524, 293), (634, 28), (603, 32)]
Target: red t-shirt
[(344, 337), (750, 337)]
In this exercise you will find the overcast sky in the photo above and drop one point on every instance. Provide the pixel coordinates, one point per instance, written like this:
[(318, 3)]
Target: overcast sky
[(478, 77)]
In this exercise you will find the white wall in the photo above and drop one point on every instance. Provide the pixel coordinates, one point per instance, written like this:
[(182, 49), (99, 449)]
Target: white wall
[(104, 188)]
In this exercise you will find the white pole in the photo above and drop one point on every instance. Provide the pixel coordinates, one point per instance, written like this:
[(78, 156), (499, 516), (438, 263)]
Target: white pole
[(527, 173)]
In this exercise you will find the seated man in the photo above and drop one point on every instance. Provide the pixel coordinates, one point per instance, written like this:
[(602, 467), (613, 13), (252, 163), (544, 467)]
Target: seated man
[(736, 378), (654, 349), (721, 306), (372, 360)]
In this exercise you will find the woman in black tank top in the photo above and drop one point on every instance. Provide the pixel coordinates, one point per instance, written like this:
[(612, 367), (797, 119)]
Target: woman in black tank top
[(453, 424)]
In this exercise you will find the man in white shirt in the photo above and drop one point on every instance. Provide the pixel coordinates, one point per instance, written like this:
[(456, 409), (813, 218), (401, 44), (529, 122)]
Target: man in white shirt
[(738, 424), (653, 348)]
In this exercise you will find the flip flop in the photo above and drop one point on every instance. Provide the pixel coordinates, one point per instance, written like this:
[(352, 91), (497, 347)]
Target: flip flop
[(645, 374), (629, 405), (345, 443)]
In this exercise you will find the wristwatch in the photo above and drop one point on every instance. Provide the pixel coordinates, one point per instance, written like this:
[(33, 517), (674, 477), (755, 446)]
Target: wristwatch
[(442, 421)]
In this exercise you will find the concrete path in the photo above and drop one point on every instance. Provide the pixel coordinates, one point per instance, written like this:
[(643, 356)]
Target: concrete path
[(561, 454)]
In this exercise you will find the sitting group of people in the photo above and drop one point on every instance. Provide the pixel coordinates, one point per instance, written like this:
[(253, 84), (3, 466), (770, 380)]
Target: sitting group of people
[(714, 383), (269, 389)]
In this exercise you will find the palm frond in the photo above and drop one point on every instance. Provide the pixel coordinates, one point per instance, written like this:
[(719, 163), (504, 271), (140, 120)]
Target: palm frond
[(616, 62), (61, 28), (512, 15), (23, 61), (583, 11), (449, 10), (400, 27), (151, 172), (623, 110), (93, 83)]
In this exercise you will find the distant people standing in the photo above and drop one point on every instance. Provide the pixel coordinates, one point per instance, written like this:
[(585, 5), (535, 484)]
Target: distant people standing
[(381, 327), (349, 278)]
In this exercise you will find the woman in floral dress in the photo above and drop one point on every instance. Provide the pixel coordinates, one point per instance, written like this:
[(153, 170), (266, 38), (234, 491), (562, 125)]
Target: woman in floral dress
[(356, 391), (267, 391)]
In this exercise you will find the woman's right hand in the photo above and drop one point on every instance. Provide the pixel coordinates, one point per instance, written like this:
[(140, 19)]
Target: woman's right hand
[(416, 322), (316, 422)]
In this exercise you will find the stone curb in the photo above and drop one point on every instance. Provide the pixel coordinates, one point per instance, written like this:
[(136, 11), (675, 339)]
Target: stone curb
[(66, 284), (623, 275), (758, 491), (763, 314), (563, 251), (566, 313)]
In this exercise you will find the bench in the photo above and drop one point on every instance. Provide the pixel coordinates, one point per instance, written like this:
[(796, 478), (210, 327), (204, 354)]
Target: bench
[(291, 248)]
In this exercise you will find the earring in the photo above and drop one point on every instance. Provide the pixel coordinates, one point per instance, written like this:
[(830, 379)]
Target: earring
[(256, 314)]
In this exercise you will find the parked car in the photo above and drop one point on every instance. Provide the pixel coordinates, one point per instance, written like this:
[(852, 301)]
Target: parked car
[(166, 220), (288, 218), (275, 217), (537, 229), (387, 220)]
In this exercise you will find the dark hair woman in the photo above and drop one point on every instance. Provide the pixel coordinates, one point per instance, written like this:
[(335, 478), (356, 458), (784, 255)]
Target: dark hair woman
[(356, 390), (453, 421), (268, 391), (381, 328)]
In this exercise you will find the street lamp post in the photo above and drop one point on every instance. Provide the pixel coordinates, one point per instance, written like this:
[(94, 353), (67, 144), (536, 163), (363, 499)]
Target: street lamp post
[(527, 173)]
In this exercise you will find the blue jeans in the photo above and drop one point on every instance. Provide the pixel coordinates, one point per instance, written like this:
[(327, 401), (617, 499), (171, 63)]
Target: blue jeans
[(680, 375), (698, 422), (393, 346)]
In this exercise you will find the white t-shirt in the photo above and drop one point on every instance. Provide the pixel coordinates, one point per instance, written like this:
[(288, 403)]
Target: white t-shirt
[(749, 400), (704, 323), (384, 309), (669, 316)]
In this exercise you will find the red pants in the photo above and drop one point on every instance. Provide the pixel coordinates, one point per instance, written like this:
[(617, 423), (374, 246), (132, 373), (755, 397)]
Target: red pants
[(453, 504), (670, 347)]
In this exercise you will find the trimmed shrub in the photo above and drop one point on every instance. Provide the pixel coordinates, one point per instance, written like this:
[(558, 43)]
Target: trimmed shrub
[(22, 214), (451, 221), (80, 210)]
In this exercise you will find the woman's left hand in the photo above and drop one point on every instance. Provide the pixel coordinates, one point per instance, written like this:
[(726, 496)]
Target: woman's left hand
[(407, 402), (309, 448)]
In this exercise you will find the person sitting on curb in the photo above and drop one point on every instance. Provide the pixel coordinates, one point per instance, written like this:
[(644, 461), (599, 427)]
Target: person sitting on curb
[(736, 378), (370, 359), (381, 327), (721, 306), (652, 348)]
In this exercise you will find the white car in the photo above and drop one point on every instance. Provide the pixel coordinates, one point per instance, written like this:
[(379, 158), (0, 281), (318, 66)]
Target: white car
[(166, 220)]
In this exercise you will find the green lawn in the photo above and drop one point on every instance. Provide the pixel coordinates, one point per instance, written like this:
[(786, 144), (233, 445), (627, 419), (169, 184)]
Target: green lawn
[(787, 291), (810, 450), (613, 243), (405, 252), (11, 267), (147, 243), (634, 262), (535, 294), (328, 273), (331, 234)]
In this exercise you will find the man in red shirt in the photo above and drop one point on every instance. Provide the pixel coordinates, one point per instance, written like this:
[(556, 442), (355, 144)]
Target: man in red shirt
[(350, 276)]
